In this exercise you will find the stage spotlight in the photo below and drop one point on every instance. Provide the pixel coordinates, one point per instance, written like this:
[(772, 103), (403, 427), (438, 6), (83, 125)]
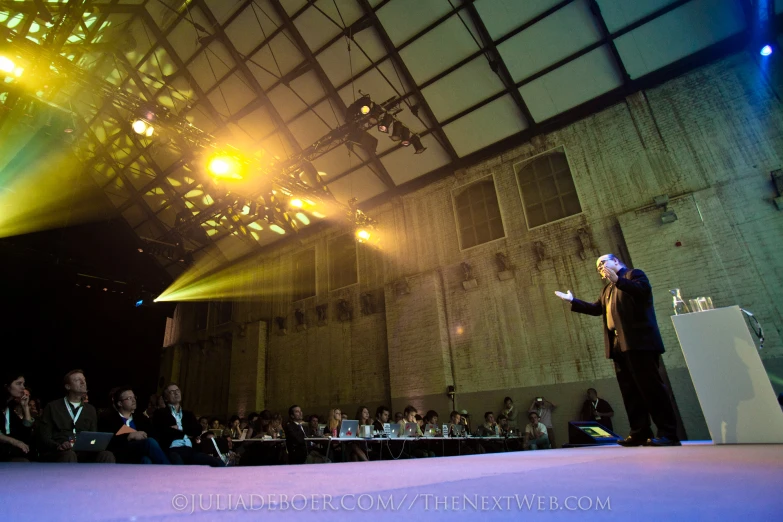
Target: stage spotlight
[(7, 65), (405, 137), (766, 50), (296, 203), (366, 104), (396, 134), (303, 218), (416, 142), (376, 112), (143, 127), (139, 303), (363, 235), (141, 250), (359, 108), (224, 167), (277, 229), (385, 122)]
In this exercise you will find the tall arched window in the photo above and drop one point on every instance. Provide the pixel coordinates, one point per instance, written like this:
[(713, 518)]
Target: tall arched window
[(478, 213)]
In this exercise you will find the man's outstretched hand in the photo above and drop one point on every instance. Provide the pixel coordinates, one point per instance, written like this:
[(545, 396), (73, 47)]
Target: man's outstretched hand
[(565, 297)]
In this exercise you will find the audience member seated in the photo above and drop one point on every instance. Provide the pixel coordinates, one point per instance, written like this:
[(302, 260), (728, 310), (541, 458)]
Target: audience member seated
[(432, 418), (217, 447), (295, 436), (233, 427), (204, 422), (503, 426), (598, 410), (363, 416), (152, 405), (536, 437), (456, 428), (215, 424), (543, 408), (334, 422), (510, 412), (490, 427), (312, 430), (398, 417), (381, 417), (63, 420), (275, 429), (177, 429), (410, 414), (16, 437), (35, 408), (252, 417), (131, 447)]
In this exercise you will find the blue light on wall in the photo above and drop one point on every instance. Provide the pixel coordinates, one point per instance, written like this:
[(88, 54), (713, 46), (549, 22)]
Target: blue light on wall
[(766, 50)]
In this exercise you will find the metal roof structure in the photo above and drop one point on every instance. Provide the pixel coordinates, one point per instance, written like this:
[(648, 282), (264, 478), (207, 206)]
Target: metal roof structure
[(271, 77)]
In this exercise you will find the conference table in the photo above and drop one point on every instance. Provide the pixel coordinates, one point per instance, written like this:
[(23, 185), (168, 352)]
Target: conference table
[(396, 445)]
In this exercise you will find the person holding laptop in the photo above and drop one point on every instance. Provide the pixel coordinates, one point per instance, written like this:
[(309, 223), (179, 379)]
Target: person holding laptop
[(63, 420), (132, 442)]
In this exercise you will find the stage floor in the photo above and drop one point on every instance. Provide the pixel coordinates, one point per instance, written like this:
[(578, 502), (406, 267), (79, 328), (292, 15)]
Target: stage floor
[(698, 481)]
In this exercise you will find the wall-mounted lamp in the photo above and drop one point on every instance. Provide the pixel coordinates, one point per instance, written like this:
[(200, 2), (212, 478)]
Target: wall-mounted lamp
[(668, 216)]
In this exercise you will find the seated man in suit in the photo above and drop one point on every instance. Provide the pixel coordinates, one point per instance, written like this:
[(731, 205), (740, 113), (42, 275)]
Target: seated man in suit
[(178, 429), (132, 447), (536, 436), (295, 436), (63, 420)]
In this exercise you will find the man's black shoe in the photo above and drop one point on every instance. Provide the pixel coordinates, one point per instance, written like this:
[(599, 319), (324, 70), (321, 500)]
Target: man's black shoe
[(630, 441), (663, 441)]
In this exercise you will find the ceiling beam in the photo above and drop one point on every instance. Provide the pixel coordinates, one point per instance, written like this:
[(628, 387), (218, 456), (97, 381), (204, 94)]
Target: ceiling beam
[(438, 132), (498, 65), (595, 9), (375, 164)]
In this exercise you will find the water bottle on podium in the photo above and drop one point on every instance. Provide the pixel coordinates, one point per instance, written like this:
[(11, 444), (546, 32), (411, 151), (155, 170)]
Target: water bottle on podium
[(679, 305)]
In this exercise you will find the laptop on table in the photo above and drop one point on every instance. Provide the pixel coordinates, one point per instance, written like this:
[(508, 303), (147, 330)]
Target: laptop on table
[(92, 441), (349, 428), (411, 429)]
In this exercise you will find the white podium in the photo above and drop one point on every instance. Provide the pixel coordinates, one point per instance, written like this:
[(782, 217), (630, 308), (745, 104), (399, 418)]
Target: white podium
[(734, 391)]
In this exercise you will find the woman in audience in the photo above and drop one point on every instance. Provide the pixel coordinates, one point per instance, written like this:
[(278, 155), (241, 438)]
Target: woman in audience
[(363, 416), (334, 422), (275, 429), (16, 433), (233, 426)]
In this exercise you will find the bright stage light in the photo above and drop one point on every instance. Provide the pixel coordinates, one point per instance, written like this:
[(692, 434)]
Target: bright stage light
[(362, 235), (296, 203), (142, 127), (224, 167), (7, 65), (766, 50), (303, 218), (277, 229)]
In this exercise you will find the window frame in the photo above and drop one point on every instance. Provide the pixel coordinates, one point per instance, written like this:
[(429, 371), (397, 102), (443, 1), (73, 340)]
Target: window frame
[(522, 197), (454, 193), (315, 274), (329, 262)]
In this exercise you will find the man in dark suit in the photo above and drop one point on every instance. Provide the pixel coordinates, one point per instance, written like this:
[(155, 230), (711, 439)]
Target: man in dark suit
[(295, 436), (136, 445), (634, 344), (177, 430)]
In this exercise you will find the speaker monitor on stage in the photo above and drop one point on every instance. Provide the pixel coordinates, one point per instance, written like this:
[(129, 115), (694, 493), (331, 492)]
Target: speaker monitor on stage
[(589, 433)]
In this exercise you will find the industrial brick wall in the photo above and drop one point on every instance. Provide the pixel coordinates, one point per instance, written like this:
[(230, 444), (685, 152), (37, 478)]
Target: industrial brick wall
[(708, 139)]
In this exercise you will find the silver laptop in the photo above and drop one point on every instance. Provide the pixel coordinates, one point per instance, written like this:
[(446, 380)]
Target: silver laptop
[(392, 430), (92, 441), (431, 430), (349, 428), (411, 429)]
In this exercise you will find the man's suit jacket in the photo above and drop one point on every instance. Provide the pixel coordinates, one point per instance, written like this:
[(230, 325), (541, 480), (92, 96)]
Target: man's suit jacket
[(295, 442), (111, 422), (637, 329), (163, 420)]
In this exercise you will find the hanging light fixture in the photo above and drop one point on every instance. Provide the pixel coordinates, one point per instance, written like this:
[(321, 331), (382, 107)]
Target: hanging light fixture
[(385, 122)]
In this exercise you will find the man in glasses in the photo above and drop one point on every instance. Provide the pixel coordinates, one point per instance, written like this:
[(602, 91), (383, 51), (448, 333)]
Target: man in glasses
[(177, 430), (634, 344)]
